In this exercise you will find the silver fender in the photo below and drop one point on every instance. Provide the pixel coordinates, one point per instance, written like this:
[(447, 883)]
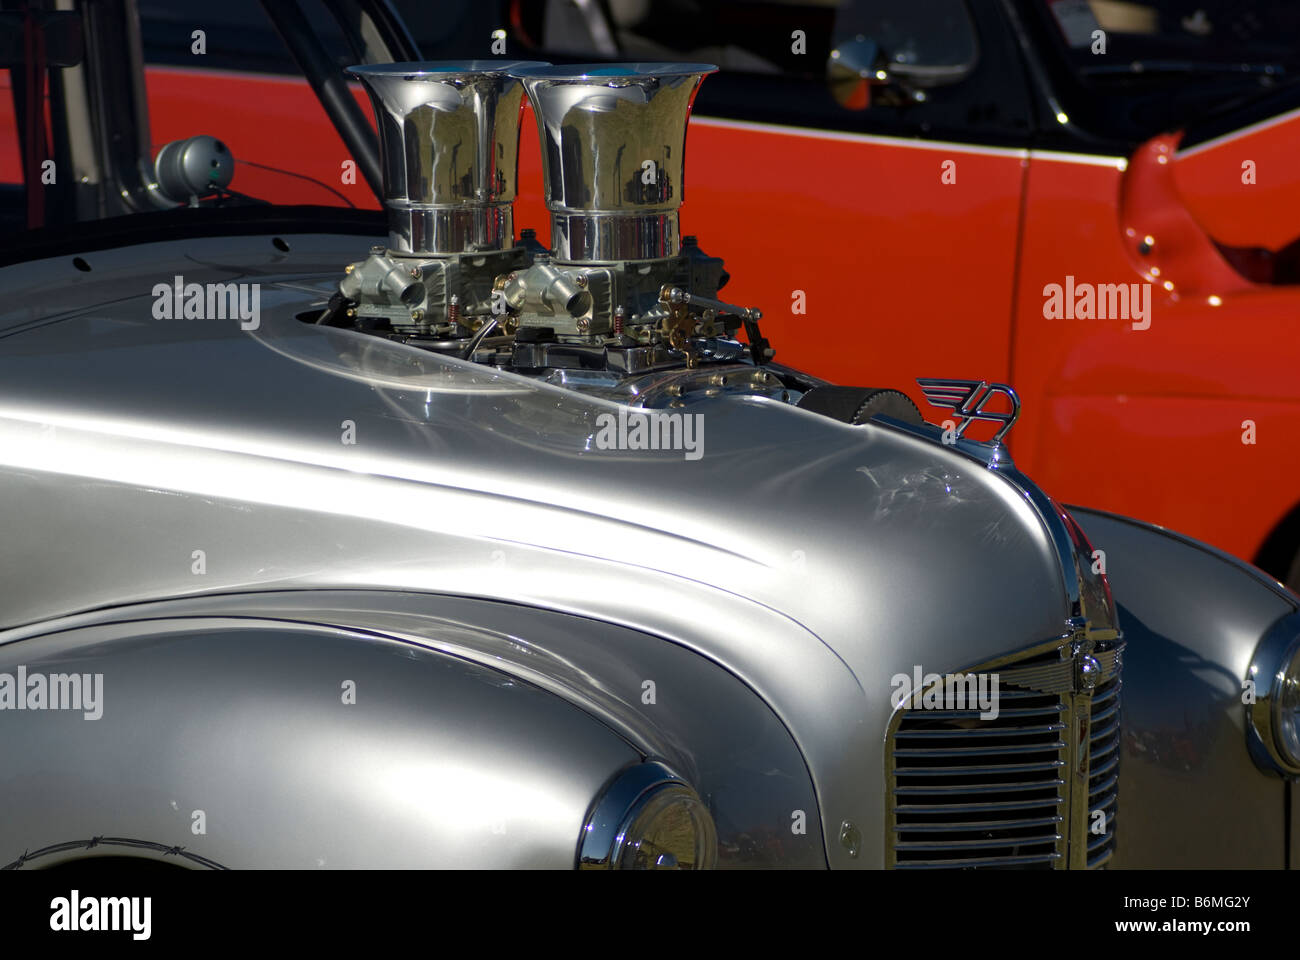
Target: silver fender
[(240, 727), (667, 701), (1190, 794)]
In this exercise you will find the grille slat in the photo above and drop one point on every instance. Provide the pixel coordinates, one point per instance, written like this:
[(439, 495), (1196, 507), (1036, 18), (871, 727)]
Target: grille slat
[(979, 787), (1001, 713), (994, 751), (979, 807), (1105, 731), (983, 733), (977, 771), (994, 843), (948, 864), (1104, 767), (1103, 788), (964, 826), (1106, 714), (970, 793), (1100, 750)]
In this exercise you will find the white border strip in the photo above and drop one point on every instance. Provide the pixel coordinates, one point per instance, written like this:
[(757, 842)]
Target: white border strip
[(1090, 159), (1243, 132), (915, 143)]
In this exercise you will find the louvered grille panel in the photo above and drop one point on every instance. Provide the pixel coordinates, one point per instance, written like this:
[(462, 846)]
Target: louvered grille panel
[(1103, 769), (966, 792)]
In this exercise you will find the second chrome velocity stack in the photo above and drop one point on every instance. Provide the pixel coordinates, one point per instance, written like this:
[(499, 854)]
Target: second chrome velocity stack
[(613, 139)]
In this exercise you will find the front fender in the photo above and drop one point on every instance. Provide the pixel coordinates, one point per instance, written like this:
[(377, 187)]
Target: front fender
[(1192, 616), (664, 699), (236, 739)]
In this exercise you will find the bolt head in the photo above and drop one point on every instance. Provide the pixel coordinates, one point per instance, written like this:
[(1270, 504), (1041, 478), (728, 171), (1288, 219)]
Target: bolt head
[(850, 838)]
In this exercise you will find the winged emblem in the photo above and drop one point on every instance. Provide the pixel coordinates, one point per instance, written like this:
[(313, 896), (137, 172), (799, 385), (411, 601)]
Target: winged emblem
[(968, 398)]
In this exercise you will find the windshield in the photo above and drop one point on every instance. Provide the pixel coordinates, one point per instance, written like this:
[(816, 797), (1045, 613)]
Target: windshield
[(1131, 69), (1146, 36)]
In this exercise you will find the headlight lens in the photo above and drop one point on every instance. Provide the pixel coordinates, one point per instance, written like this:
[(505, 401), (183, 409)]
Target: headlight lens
[(672, 831), (648, 819), (1286, 707)]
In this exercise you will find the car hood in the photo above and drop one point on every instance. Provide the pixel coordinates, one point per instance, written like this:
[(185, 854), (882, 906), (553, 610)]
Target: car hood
[(828, 523), (144, 459)]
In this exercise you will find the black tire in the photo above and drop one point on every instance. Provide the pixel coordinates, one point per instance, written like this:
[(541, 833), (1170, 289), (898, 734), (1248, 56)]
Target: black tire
[(860, 404)]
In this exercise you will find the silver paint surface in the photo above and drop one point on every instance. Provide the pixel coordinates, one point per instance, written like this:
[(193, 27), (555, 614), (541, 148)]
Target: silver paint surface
[(1190, 795), (808, 559), (812, 559), (245, 720)]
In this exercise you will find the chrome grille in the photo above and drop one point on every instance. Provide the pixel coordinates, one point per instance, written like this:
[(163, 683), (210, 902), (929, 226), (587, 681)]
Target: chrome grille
[(964, 792), (1103, 767)]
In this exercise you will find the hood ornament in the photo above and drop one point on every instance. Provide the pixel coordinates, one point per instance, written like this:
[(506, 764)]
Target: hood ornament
[(968, 397)]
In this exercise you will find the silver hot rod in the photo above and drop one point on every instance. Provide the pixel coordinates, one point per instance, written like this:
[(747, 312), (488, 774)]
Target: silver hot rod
[(336, 542)]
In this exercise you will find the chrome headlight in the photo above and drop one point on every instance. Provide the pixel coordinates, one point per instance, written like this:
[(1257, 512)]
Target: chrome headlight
[(648, 818), (1275, 715)]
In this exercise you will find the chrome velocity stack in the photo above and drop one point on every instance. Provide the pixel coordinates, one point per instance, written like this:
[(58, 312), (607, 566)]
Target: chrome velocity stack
[(621, 293), (449, 142), (613, 137)]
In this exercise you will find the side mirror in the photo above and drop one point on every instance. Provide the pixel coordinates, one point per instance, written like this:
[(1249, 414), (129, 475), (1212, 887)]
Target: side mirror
[(853, 66)]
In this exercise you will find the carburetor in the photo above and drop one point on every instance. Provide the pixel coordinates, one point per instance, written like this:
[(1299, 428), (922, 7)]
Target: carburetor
[(613, 140), (620, 291)]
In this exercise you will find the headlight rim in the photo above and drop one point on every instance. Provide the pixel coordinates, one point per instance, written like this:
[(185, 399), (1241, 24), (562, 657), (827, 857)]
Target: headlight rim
[(621, 803), (1279, 648)]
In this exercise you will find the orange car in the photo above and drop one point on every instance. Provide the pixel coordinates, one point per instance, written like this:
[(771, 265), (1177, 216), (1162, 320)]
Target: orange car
[(1095, 201)]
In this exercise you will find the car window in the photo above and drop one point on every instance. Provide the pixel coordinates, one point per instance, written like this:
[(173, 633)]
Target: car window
[(1135, 69), (910, 67), (759, 36), (236, 36)]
